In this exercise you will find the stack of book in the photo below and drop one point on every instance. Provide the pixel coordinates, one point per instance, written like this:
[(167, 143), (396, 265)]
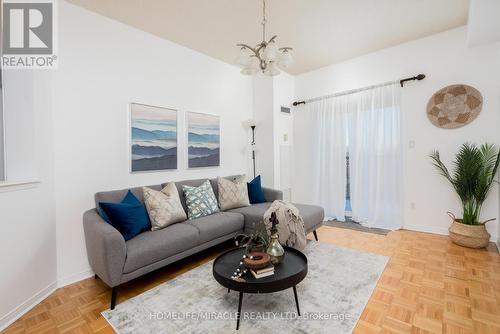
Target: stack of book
[(263, 272)]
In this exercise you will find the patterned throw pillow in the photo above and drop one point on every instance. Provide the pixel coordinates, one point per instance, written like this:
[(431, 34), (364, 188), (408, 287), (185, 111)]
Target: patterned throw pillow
[(164, 207), (233, 193), (200, 200)]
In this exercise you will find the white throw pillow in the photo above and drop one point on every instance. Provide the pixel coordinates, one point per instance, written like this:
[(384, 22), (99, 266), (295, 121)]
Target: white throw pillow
[(233, 193), (164, 207)]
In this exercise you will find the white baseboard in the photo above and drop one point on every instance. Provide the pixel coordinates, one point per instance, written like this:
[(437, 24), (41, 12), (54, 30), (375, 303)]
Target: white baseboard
[(31, 302), (437, 230), (61, 282), (27, 305), (427, 229)]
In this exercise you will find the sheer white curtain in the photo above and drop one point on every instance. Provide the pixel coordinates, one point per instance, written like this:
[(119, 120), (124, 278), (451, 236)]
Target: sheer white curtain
[(375, 157), (367, 124), (330, 125)]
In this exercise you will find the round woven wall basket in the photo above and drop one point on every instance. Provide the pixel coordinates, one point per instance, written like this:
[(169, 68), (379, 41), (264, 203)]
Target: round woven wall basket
[(454, 106)]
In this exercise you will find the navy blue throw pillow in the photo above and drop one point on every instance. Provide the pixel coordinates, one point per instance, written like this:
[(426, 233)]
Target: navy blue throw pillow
[(129, 217), (255, 192), (128, 199)]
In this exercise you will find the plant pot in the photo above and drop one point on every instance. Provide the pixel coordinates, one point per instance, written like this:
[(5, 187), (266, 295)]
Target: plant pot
[(258, 248), (472, 236)]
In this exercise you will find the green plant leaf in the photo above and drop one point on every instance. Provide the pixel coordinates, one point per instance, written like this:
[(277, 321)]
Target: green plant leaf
[(474, 171)]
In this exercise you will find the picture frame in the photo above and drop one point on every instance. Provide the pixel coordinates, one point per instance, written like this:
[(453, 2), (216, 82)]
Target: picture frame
[(153, 138), (203, 140)]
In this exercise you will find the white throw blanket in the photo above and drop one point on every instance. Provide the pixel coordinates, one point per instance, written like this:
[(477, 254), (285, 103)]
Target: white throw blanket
[(291, 225)]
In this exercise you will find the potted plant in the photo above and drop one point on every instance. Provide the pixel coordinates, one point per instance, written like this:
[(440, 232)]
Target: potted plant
[(474, 172), (253, 242)]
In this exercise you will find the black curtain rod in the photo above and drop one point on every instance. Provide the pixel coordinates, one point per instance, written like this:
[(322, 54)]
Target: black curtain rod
[(417, 77), (401, 82)]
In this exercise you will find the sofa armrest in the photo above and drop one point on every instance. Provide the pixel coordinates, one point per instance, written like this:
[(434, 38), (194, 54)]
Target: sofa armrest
[(272, 195), (106, 248)]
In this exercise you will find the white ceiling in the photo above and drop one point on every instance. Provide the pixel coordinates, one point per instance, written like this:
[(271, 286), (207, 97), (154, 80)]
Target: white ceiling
[(322, 32)]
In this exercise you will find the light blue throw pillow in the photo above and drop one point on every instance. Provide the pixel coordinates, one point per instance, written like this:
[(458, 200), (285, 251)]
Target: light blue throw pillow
[(200, 200)]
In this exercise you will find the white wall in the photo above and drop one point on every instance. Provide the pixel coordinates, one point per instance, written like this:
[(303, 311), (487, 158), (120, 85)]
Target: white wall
[(269, 94), (27, 241), (104, 65), (264, 131), (483, 25), (2, 160), (284, 93), (445, 59)]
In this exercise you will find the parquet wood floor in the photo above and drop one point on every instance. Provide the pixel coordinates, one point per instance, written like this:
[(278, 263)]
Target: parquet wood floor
[(429, 286)]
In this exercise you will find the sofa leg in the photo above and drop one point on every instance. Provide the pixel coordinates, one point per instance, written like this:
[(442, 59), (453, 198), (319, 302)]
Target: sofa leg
[(315, 235), (114, 291), (95, 276)]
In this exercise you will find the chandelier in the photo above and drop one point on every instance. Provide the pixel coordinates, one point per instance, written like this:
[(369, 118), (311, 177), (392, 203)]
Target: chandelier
[(265, 56)]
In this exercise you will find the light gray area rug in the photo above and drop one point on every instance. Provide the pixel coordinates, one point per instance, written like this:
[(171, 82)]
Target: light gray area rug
[(332, 297)]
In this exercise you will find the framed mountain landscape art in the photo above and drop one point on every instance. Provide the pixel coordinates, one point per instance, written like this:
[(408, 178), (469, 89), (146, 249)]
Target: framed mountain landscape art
[(203, 140), (153, 138)]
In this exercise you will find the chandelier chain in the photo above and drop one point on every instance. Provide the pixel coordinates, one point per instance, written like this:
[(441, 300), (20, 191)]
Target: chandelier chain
[(264, 20)]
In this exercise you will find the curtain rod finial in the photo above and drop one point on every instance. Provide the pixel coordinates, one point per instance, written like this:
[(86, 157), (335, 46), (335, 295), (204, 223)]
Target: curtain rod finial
[(417, 77)]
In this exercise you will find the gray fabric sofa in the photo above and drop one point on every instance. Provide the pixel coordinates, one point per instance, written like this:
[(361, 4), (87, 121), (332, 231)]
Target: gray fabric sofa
[(117, 261)]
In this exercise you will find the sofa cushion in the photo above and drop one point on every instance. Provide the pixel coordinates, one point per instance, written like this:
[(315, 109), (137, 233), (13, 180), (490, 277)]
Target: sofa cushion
[(129, 217), (195, 183), (128, 199), (232, 193), (190, 183), (115, 196), (218, 225), (255, 192), (200, 200), (164, 207), (311, 214), (150, 247)]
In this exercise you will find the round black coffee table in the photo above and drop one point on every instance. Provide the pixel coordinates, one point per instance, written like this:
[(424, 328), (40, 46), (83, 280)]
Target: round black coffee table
[(288, 274)]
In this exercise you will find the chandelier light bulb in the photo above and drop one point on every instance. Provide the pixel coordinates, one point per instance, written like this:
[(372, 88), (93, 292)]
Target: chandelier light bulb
[(249, 71), (243, 58), (271, 69), (285, 59), (270, 52), (254, 63), (252, 67)]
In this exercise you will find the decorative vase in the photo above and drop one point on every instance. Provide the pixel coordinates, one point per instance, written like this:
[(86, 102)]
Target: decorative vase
[(472, 236), (275, 250)]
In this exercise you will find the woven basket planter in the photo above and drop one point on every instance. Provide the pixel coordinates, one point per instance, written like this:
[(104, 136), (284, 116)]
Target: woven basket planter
[(472, 236)]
